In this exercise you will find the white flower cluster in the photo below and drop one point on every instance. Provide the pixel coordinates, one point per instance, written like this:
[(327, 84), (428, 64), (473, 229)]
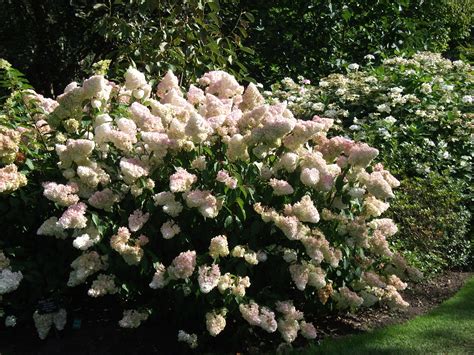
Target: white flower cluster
[(133, 318), (11, 179), (9, 280), (190, 339), (9, 140), (44, 322)]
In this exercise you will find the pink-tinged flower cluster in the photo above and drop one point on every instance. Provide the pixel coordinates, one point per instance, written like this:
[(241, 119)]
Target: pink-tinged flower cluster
[(159, 278), (308, 330), (199, 163), (63, 195), (183, 265), (137, 220), (169, 229), (51, 227), (224, 177), (309, 177), (361, 154), (132, 169), (281, 187), (237, 285), (215, 322), (377, 185), (103, 285), (307, 274), (75, 151), (11, 179), (393, 298), (9, 140), (169, 203), (103, 199), (319, 249), (346, 298), (290, 226), (288, 161), (84, 266), (181, 180), (292, 322), (208, 277), (208, 205), (136, 84), (304, 210), (258, 316), (247, 254), (9, 280), (121, 243), (85, 238), (74, 217)]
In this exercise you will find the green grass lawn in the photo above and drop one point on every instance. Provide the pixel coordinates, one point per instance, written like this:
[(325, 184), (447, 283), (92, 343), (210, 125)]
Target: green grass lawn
[(449, 329)]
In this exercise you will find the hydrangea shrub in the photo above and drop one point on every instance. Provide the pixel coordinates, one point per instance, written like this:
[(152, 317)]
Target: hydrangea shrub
[(212, 208)]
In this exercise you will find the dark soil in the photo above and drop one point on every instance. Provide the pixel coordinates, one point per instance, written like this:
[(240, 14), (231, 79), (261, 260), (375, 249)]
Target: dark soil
[(102, 336)]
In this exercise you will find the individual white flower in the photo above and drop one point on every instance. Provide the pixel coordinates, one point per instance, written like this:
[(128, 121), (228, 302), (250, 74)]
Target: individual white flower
[(9, 280), (134, 79), (390, 119), (190, 339), (309, 177), (467, 99), (10, 321), (169, 229), (215, 322), (218, 247), (353, 66)]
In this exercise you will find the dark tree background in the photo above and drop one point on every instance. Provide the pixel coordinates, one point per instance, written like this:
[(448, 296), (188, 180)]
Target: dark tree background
[(56, 41)]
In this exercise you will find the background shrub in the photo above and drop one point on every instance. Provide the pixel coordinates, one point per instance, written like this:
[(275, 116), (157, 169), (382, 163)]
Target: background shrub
[(433, 223), (54, 41), (314, 38)]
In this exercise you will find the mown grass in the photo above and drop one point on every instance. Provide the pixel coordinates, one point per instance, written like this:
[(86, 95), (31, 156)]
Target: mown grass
[(449, 329)]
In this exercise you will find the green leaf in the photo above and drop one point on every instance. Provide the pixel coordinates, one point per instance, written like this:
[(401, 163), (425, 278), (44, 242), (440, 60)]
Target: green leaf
[(346, 14), (241, 204), (95, 219), (98, 6), (228, 221), (249, 16), (339, 182), (29, 164)]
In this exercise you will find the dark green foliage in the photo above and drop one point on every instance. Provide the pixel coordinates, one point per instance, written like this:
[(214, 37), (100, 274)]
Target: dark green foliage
[(434, 225), (54, 42), (46, 41), (313, 37), (190, 37)]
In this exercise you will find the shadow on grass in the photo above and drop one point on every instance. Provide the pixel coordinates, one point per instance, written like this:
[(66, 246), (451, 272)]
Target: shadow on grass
[(447, 329)]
